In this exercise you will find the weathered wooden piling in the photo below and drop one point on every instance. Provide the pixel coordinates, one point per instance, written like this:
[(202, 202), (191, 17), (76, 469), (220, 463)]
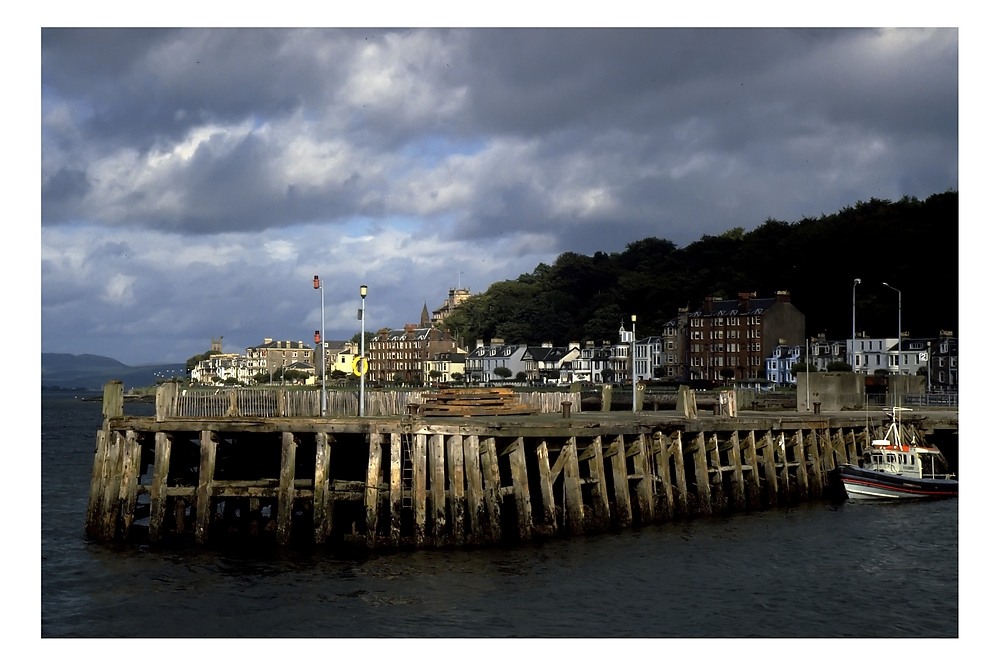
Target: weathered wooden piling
[(425, 482)]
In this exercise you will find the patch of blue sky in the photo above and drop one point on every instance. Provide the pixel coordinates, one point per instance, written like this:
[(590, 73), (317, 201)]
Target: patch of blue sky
[(430, 149)]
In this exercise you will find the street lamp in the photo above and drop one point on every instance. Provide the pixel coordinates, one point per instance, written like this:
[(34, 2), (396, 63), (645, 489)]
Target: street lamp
[(899, 329), (363, 365), (854, 325), (635, 405), (320, 337)]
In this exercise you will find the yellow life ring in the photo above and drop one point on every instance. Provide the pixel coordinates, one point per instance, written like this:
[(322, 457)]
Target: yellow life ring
[(360, 365)]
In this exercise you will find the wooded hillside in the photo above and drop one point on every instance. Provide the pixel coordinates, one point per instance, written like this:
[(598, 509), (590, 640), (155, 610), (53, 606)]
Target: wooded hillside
[(910, 244)]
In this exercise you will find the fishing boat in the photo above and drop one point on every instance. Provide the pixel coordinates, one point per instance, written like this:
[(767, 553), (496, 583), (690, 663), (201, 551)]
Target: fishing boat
[(890, 469)]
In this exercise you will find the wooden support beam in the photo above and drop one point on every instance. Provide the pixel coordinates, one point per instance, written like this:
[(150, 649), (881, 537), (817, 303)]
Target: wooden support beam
[(784, 483), (474, 488), (372, 488), (548, 524), (322, 497), (751, 459), (677, 453), (571, 483), (130, 480), (644, 487), (456, 471), (490, 468), (737, 486), (594, 456), (395, 488), (419, 489), (206, 474), (522, 495), (439, 497), (704, 486), (716, 476), (814, 464), (112, 475), (286, 489), (770, 472), (619, 472), (97, 481), (158, 489), (802, 471)]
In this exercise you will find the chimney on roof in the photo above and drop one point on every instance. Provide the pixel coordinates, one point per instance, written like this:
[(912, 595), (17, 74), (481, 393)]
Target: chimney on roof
[(479, 343), (497, 341), (745, 297), (783, 296), (709, 302)]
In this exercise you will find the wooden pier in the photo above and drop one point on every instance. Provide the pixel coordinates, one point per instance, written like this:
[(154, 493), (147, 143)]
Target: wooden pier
[(416, 480)]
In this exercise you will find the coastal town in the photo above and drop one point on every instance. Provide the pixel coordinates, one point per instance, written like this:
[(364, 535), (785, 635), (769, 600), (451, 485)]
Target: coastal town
[(752, 341)]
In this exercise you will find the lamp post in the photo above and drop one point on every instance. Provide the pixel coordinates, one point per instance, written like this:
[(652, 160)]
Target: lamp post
[(364, 365), (635, 405), (854, 324), (320, 337), (899, 328)]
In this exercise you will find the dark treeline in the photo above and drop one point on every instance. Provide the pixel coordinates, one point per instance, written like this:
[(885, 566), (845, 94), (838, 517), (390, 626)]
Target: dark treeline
[(909, 244)]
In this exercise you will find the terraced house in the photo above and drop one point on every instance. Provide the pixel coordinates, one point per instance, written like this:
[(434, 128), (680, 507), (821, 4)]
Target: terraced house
[(730, 339), (403, 355)]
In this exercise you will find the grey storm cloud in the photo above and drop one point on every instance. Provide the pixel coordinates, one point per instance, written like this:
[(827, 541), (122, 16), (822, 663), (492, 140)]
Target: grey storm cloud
[(238, 158)]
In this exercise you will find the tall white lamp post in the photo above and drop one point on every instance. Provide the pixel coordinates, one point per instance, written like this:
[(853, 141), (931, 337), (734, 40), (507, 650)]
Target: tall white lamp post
[(899, 329), (635, 404), (321, 339), (854, 324), (364, 363)]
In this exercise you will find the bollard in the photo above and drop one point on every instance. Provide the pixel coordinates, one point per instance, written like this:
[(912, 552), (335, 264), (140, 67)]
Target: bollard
[(816, 408), (565, 409), (411, 408)]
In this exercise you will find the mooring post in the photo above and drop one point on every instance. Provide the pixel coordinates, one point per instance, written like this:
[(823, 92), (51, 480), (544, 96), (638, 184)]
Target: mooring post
[(113, 405)]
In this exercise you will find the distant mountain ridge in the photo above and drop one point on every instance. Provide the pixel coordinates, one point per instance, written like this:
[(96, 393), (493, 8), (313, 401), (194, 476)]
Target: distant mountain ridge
[(92, 372)]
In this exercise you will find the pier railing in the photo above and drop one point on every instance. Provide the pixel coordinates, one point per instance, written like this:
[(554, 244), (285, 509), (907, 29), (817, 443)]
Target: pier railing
[(176, 402)]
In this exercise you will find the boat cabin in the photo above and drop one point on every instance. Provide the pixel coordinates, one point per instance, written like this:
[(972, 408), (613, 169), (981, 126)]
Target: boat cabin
[(892, 460)]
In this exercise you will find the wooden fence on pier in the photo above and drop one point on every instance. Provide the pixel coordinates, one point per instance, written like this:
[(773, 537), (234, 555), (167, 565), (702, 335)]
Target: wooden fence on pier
[(411, 481), (270, 402)]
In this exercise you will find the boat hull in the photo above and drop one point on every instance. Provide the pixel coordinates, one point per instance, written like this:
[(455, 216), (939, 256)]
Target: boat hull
[(864, 484)]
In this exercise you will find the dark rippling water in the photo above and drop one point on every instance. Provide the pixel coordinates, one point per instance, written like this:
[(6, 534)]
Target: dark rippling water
[(814, 570)]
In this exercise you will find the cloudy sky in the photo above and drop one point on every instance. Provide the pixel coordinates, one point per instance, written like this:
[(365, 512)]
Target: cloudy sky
[(194, 180)]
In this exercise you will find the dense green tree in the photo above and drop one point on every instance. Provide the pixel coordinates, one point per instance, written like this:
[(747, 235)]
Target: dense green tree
[(909, 244)]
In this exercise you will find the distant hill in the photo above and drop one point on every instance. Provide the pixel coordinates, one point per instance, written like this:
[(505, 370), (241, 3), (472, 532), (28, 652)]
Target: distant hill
[(88, 371)]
